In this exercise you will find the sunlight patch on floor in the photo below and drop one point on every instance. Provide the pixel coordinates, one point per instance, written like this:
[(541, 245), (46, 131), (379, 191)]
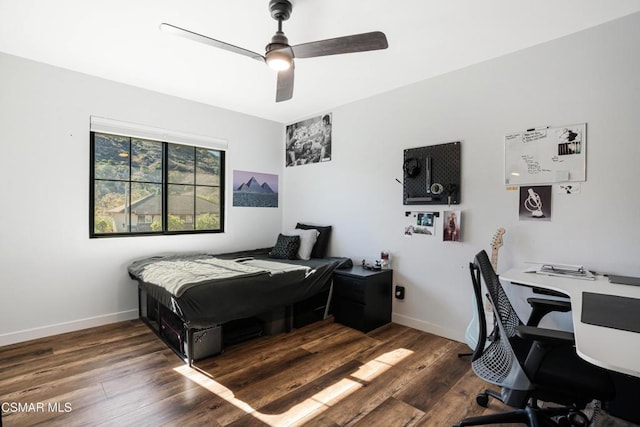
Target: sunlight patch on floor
[(380, 364), (213, 386), (312, 406)]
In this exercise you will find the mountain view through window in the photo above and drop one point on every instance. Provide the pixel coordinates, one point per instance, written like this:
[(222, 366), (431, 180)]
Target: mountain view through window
[(151, 187)]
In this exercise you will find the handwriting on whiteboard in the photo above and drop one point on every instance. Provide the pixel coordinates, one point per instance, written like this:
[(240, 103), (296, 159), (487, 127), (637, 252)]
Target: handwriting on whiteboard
[(534, 135), (533, 166)]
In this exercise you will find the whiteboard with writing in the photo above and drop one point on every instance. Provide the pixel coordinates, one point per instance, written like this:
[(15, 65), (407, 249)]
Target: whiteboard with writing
[(545, 155)]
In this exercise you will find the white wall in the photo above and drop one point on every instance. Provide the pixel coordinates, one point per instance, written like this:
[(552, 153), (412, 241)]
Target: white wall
[(590, 77), (53, 277)]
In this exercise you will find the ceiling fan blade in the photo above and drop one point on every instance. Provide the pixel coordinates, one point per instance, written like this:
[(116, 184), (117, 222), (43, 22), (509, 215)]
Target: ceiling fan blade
[(172, 29), (356, 43), (285, 84)]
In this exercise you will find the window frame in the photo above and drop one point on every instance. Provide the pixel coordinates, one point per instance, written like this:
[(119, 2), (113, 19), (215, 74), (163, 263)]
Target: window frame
[(165, 192)]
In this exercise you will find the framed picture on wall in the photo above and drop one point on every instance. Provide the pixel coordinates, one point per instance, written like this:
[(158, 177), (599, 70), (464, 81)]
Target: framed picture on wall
[(255, 189), (451, 226), (535, 203), (308, 141)]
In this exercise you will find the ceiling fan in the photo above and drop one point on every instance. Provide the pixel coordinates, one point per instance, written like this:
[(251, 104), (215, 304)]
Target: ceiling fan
[(279, 54)]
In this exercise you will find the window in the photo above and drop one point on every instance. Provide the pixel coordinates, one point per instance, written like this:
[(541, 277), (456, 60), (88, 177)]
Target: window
[(146, 187), (145, 219)]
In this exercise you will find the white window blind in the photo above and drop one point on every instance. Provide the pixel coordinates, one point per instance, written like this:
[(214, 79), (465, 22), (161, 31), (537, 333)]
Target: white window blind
[(116, 127)]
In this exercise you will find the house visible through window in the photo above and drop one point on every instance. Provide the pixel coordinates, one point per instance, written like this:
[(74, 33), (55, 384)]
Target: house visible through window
[(145, 219), (141, 187)]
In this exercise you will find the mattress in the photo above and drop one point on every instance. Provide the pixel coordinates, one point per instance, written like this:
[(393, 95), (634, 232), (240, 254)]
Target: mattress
[(207, 289)]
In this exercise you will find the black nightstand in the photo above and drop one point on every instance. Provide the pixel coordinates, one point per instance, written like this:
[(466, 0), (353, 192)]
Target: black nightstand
[(362, 298)]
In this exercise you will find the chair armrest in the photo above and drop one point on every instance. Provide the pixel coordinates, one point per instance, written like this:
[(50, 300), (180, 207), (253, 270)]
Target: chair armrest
[(550, 304), (540, 307), (542, 341), (550, 336)]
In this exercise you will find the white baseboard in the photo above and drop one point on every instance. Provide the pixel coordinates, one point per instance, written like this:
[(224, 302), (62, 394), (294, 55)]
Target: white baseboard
[(421, 325), (61, 328)]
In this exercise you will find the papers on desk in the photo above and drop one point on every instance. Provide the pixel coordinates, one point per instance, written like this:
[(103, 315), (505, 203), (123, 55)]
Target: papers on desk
[(563, 270)]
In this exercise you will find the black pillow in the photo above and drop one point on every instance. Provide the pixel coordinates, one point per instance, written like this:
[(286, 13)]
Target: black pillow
[(286, 247), (322, 243)]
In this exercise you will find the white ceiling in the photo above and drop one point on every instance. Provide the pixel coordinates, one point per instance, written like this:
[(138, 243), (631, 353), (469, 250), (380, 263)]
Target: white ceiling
[(119, 40)]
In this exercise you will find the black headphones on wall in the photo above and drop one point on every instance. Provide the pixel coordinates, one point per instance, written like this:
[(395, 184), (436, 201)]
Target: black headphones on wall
[(411, 167)]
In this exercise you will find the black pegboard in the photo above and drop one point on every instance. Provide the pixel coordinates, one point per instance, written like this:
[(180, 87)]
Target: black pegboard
[(432, 175)]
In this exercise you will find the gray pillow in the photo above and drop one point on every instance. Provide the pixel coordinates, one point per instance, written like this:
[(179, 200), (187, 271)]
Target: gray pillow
[(307, 241), (322, 243)]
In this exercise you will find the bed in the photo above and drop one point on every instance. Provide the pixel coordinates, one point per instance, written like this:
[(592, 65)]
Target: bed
[(186, 298)]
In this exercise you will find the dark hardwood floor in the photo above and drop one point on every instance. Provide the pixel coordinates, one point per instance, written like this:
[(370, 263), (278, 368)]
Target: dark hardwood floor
[(324, 374)]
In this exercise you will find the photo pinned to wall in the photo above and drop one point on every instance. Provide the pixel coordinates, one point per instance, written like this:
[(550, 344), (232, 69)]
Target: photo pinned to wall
[(420, 223), (451, 226), (565, 189), (535, 203), (309, 141), (255, 189), (570, 141)]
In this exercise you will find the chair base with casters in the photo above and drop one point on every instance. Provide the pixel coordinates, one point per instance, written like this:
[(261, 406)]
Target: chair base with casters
[(531, 416)]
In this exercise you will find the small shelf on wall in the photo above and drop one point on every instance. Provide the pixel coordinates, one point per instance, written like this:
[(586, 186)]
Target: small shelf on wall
[(432, 175)]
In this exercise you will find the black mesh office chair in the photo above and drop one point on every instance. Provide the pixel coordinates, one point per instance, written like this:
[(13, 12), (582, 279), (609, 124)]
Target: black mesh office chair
[(530, 364), (540, 307)]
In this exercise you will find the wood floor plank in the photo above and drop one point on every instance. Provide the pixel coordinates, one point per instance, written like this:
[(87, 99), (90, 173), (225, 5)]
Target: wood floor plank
[(55, 407), (87, 378), (170, 409), (325, 359), (99, 336), (264, 348), (58, 367), (324, 374), (73, 353), (256, 372), (386, 377), (392, 413), (429, 385), (155, 400), (457, 403), (16, 355), (304, 403)]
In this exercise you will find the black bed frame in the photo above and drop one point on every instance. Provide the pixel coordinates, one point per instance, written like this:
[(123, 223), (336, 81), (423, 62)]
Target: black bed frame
[(193, 344)]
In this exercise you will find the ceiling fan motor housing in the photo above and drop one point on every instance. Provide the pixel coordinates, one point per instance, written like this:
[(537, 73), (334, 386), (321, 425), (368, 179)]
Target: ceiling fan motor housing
[(278, 41), (280, 9), (280, 55)]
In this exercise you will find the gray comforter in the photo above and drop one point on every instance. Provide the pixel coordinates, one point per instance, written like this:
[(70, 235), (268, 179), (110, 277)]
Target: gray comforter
[(208, 289), (176, 274)]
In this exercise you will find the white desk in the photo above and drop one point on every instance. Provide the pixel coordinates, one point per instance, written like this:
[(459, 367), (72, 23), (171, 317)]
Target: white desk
[(613, 349)]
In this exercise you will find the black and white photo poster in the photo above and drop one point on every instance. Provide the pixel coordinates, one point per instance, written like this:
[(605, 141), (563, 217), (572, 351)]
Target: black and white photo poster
[(309, 141), (535, 203)]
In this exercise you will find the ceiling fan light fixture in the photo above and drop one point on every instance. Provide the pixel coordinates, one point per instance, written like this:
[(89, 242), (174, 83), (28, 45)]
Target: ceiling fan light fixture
[(279, 54), (279, 60)]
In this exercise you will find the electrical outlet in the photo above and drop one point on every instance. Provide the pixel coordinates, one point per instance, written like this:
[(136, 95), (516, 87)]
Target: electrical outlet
[(399, 292)]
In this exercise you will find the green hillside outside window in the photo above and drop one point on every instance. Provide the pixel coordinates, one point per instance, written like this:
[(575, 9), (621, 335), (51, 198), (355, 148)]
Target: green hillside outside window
[(145, 187)]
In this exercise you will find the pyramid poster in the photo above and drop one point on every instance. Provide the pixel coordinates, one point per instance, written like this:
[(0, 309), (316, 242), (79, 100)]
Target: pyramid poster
[(255, 189)]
